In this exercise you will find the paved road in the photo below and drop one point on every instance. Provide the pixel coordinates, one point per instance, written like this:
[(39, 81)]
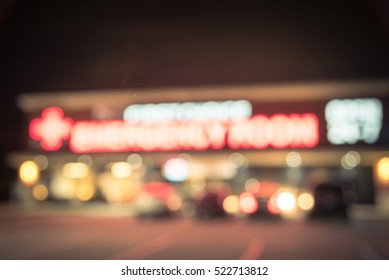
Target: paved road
[(70, 236)]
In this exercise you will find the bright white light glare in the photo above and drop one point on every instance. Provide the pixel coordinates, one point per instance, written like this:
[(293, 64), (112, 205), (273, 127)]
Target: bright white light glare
[(231, 204), (29, 172), (41, 162), (293, 159), (135, 160), (352, 120), (121, 169), (176, 169), (209, 110), (75, 170), (383, 169), (350, 160), (305, 201), (285, 201)]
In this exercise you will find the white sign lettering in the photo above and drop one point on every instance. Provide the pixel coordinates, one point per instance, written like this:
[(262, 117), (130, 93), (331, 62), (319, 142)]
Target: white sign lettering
[(353, 120), (210, 110)]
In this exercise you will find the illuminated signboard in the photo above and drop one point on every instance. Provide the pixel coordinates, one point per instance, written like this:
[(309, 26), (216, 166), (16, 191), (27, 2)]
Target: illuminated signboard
[(189, 111), (353, 120), (51, 129), (255, 132)]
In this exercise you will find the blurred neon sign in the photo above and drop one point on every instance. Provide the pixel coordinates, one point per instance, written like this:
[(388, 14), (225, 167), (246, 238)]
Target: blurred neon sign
[(188, 111), (51, 129), (353, 120), (256, 132)]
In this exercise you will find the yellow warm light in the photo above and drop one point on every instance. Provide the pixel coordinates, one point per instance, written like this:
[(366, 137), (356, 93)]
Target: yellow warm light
[(174, 202), (29, 172), (85, 192), (75, 170), (40, 192), (121, 169), (231, 204), (305, 201), (383, 169)]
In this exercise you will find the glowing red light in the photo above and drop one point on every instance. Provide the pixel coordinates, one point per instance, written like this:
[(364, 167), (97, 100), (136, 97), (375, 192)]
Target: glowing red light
[(278, 131), (160, 190), (51, 129), (118, 136), (247, 203), (272, 206), (258, 132)]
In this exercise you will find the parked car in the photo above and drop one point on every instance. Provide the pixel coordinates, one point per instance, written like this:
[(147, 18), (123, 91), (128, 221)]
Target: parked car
[(331, 201), (210, 205)]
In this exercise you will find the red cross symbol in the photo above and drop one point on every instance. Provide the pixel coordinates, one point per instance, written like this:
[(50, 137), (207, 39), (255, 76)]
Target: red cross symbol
[(51, 129)]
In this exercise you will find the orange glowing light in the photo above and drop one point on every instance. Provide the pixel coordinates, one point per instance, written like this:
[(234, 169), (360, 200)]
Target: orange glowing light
[(383, 169), (40, 192)]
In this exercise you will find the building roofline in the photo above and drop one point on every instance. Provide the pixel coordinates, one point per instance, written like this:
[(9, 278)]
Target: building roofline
[(281, 92)]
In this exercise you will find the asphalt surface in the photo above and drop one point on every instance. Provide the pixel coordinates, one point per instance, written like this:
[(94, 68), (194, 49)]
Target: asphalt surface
[(68, 235)]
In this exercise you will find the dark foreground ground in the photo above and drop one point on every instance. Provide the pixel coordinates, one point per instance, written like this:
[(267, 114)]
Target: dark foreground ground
[(73, 236)]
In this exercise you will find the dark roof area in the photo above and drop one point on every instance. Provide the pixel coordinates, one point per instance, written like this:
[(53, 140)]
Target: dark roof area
[(76, 45)]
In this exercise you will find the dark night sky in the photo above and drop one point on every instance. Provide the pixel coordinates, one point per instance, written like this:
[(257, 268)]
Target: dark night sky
[(75, 45)]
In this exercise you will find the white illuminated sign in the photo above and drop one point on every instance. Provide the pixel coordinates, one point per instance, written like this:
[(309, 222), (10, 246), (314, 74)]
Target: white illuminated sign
[(210, 110), (353, 120)]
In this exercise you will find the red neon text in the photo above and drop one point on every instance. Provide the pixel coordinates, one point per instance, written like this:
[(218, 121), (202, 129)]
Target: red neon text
[(279, 131), (117, 136), (258, 132)]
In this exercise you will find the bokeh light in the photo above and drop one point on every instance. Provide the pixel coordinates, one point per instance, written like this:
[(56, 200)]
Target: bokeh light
[(247, 203), (86, 159), (174, 202), (305, 201), (85, 192), (350, 160), (135, 160), (252, 185), (40, 192), (42, 162), (121, 169), (75, 170), (383, 169), (285, 201), (29, 172), (272, 206), (293, 159), (176, 169), (231, 204)]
